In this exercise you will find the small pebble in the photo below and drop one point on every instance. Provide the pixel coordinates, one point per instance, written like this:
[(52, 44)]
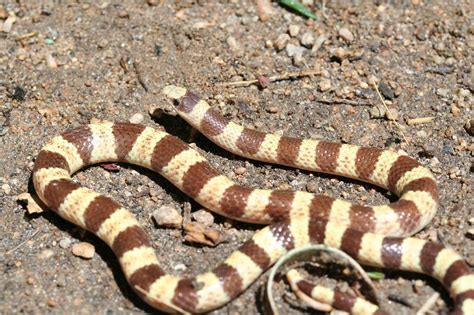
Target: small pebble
[(6, 189), (153, 2), (272, 109), (346, 34), (8, 24), (386, 91), (240, 170), (307, 39), (45, 254), (325, 85), (392, 114), (471, 220), (233, 44), (377, 111), (180, 267), (83, 250), (281, 41), (65, 243), (470, 232), (312, 187), (204, 217), (52, 303), (469, 126), (293, 30), (123, 14), (50, 61), (136, 118), (293, 50), (167, 216)]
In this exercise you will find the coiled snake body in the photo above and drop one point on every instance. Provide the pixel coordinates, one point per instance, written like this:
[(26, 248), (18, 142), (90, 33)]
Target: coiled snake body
[(374, 235)]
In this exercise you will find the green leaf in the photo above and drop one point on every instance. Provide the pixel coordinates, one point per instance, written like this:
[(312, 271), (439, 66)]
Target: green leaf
[(298, 7), (376, 275)]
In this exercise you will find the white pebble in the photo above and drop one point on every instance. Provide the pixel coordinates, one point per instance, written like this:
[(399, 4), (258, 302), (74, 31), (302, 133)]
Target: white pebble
[(83, 250), (167, 216), (204, 217), (325, 85), (293, 30), (136, 118), (307, 39), (346, 34), (281, 41)]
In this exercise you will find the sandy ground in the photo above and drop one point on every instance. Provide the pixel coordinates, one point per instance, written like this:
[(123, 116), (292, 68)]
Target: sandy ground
[(65, 63)]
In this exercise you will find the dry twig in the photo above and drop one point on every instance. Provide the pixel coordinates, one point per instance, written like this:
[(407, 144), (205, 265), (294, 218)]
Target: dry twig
[(280, 77), (428, 304)]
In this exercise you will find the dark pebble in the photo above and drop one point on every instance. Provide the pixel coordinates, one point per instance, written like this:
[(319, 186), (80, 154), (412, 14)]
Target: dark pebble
[(19, 94), (386, 91)]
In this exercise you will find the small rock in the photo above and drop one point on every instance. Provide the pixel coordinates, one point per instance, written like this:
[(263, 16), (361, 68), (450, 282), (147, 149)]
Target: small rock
[(469, 126), (470, 233), (386, 91), (377, 111), (180, 267), (167, 216), (240, 170), (442, 92), (471, 220), (203, 216), (83, 250), (50, 61), (392, 114), (307, 39), (293, 50), (65, 243), (312, 187), (31, 205), (3, 13), (293, 30), (281, 41), (346, 34), (6, 189), (52, 302), (136, 118), (8, 24), (419, 284), (272, 109), (233, 44), (325, 85), (123, 14), (153, 2), (45, 254)]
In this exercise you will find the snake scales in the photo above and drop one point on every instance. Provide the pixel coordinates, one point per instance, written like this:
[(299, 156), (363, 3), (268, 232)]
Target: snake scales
[(376, 235)]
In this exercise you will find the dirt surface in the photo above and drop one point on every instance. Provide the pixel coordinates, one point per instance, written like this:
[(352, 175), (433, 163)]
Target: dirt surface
[(65, 63)]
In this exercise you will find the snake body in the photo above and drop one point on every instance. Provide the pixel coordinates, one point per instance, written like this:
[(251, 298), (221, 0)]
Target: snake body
[(374, 235)]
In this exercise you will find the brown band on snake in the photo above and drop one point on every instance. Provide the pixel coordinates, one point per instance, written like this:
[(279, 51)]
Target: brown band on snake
[(392, 252), (428, 256), (408, 214), (230, 278), (234, 200), (165, 150), (279, 201), (288, 150), (47, 159), (326, 156), (81, 138), (258, 255), (145, 276), (351, 242), (455, 271), (99, 210), (123, 147), (366, 160), (362, 218), (423, 184), (343, 301), (213, 123), (185, 296), (130, 238), (249, 141), (57, 190), (188, 102), (401, 166), (196, 177)]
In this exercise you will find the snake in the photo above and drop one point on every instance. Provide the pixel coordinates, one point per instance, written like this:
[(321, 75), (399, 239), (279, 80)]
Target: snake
[(377, 235)]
